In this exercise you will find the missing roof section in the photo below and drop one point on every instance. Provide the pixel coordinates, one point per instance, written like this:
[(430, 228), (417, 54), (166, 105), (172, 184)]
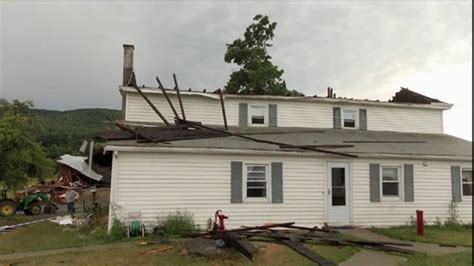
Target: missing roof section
[(407, 96)]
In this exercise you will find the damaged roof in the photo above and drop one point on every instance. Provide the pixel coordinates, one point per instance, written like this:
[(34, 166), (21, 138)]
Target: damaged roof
[(406, 98), (79, 163), (357, 142)]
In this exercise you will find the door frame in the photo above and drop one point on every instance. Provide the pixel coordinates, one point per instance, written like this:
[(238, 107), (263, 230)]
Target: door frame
[(350, 193)]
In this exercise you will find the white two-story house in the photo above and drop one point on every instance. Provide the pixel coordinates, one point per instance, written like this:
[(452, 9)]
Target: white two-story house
[(401, 160)]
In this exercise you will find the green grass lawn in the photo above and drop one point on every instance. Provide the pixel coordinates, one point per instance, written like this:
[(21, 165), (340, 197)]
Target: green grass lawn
[(16, 219), (461, 236), (458, 259), (48, 235), (268, 254)]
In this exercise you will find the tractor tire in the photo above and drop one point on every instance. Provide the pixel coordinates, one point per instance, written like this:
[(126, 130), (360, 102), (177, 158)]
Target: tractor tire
[(34, 209), (7, 208), (49, 209)]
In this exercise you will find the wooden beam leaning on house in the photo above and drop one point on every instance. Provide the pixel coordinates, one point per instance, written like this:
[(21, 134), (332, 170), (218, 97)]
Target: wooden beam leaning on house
[(179, 96), (167, 98), (199, 125), (223, 109), (133, 83)]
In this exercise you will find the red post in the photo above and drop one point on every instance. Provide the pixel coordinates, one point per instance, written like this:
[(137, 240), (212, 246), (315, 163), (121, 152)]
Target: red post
[(420, 226)]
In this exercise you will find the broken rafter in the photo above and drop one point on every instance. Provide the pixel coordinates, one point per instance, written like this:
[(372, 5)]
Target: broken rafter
[(310, 254), (242, 245), (179, 97), (130, 130), (333, 146), (134, 84), (199, 125), (223, 109), (384, 141), (167, 98)]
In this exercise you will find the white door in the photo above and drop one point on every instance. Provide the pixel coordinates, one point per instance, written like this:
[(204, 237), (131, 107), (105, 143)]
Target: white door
[(338, 194)]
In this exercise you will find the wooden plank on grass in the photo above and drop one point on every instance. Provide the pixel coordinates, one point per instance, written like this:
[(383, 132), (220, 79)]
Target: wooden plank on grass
[(242, 245), (313, 256)]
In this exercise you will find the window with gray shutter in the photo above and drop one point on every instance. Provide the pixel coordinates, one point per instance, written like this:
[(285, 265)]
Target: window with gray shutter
[(235, 182), (272, 115), (362, 119), (277, 182), (456, 183), (336, 117), (374, 175), (243, 114), (408, 182)]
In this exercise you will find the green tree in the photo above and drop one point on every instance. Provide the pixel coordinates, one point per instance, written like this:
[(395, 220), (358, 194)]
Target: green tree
[(257, 75), (21, 156)]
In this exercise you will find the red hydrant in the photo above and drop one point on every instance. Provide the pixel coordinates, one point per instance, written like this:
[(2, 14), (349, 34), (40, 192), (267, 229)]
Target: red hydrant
[(220, 227), (420, 226)]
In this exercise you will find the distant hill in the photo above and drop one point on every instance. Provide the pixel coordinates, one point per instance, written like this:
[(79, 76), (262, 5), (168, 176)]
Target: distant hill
[(64, 131)]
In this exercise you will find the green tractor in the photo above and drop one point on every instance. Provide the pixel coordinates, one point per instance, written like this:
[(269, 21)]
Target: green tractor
[(29, 204)]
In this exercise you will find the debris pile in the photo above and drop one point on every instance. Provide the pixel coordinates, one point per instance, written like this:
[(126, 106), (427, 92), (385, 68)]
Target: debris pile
[(290, 235), (287, 234)]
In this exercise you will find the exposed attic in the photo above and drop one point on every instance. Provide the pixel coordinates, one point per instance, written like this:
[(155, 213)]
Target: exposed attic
[(407, 96)]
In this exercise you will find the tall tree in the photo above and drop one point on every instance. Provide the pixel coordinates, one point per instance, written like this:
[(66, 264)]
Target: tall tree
[(257, 75), (21, 156)]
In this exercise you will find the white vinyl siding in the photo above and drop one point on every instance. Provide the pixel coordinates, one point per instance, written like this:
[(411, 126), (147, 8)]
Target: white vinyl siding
[(432, 186), (161, 183), (404, 120), (290, 113), (196, 108)]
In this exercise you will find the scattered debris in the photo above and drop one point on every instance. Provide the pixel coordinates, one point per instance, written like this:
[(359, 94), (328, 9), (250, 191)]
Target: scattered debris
[(8, 228), (157, 250), (313, 256), (288, 234), (62, 220)]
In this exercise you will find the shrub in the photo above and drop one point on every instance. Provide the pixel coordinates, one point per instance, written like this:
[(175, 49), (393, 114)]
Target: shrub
[(117, 231), (210, 224), (438, 222), (177, 224), (453, 215)]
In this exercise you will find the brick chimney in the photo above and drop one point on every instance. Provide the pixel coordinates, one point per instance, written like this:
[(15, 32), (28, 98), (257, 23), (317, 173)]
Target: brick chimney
[(127, 63)]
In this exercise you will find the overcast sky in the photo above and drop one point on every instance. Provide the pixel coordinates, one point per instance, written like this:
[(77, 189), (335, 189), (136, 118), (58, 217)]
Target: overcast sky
[(68, 56)]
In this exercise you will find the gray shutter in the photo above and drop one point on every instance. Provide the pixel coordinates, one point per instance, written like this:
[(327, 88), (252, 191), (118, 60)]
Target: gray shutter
[(272, 115), (277, 182), (374, 170), (363, 119), (235, 182), (456, 183), (243, 114), (408, 182), (336, 117)]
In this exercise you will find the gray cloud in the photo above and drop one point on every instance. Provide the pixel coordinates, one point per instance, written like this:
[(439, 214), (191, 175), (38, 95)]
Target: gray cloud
[(66, 56)]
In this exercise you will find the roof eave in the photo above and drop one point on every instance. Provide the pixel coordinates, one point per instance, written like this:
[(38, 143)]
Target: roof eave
[(438, 105), (131, 148)]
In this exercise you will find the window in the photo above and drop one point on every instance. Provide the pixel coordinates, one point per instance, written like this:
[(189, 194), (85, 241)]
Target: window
[(466, 182), (349, 118), (390, 181), (256, 181), (258, 115)]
